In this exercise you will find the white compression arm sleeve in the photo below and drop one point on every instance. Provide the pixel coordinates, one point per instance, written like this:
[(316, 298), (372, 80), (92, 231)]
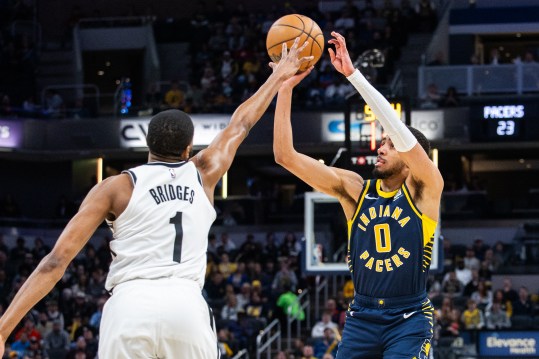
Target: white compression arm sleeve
[(400, 135)]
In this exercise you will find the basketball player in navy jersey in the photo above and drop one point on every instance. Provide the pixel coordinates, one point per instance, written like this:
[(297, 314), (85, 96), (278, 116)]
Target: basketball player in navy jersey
[(160, 214), (391, 223)]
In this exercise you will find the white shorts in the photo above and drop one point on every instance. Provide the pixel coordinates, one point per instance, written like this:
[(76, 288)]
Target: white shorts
[(160, 318)]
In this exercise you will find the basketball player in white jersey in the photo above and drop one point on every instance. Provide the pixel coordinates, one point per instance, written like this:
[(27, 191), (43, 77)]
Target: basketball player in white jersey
[(160, 214)]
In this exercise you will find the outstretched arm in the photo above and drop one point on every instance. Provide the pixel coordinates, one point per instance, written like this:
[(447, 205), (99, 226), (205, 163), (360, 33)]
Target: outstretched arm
[(216, 159), (344, 185), (421, 167), (94, 209)]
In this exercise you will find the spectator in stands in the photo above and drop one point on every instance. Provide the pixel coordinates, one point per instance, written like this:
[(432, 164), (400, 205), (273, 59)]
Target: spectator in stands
[(226, 267), (523, 305), (30, 107), (494, 58), (29, 328), (470, 260), (473, 285), (431, 99), (505, 305), (327, 344), (174, 97), (227, 245), (285, 278), (508, 292), (464, 275), (271, 250), (54, 104), (21, 345), (290, 245), (450, 98), (482, 296), (308, 352), (241, 284), (249, 249), (500, 254), (472, 317), (230, 310), (289, 305), (497, 318), (215, 290), (324, 323), (452, 286)]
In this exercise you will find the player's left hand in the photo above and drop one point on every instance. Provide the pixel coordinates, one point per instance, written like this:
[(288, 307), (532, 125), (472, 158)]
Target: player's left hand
[(290, 61), (296, 79)]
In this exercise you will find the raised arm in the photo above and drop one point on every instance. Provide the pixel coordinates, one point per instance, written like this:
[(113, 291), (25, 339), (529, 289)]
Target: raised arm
[(344, 185), (216, 159), (422, 169), (94, 209)]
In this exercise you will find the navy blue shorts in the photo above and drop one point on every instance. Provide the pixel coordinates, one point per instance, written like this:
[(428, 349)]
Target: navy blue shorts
[(392, 328)]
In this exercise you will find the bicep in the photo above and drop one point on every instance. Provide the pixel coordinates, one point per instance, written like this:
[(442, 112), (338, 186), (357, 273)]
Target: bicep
[(81, 227), (423, 168), (333, 181), (216, 159)]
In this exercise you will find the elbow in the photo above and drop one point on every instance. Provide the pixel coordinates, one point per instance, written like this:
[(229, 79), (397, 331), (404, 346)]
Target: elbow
[(52, 266), (281, 157)]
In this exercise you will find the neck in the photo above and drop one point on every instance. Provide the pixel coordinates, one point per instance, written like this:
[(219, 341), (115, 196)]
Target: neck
[(152, 157), (391, 184)]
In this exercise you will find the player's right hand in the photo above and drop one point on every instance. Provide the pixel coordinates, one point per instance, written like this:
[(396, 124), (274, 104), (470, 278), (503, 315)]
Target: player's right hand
[(340, 58)]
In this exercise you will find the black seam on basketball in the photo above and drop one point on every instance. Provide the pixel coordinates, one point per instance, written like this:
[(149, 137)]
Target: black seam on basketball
[(303, 22), (297, 28)]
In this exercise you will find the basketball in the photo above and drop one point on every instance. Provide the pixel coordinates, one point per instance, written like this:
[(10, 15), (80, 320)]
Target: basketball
[(286, 29)]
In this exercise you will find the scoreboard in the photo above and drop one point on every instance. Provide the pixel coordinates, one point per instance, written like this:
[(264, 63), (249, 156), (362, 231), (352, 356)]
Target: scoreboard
[(508, 121)]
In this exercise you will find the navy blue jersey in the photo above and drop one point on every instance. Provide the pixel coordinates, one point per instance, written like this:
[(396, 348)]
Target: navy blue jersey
[(389, 243)]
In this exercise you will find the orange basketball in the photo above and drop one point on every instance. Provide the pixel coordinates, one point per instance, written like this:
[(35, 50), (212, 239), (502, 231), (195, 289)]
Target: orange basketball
[(286, 29)]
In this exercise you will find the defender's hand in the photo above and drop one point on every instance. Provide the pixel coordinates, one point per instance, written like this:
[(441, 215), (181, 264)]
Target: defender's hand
[(290, 61), (340, 58)]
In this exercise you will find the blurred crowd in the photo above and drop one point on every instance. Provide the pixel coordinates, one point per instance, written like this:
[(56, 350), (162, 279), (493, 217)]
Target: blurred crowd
[(250, 283)]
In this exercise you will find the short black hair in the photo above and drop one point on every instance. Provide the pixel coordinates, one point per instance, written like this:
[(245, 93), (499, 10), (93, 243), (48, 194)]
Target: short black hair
[(420, 137), (169, 133)]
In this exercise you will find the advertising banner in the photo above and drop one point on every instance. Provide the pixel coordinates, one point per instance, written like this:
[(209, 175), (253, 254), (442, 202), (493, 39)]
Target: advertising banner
[(11, 133), (509, 344), (133, 131)]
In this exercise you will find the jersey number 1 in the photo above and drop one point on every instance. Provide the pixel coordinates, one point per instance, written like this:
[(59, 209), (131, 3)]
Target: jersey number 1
[(177, 222)]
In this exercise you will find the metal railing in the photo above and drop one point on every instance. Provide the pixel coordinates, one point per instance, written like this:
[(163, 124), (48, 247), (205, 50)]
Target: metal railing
[(481, 79), (271, 334), (303, 302), (242, 354), (321, 287)]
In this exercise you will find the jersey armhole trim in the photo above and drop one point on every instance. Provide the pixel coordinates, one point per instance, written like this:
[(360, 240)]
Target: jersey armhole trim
[(364, 191), (132, 175)]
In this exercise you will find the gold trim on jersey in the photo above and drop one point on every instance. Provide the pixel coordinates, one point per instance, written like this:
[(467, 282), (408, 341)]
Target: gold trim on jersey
[(429, 224), (383, 194), (366, 186)]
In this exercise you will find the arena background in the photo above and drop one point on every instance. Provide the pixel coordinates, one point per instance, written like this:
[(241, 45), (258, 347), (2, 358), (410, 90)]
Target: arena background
[(80, 80)]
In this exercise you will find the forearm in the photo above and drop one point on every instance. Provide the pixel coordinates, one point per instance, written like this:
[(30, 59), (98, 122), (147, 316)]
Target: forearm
[(35, 288), (401, 136), (282, 137), (250, 111)]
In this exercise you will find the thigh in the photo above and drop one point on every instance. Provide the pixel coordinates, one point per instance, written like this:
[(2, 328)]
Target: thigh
[(126, 329), (187, 327), (410, 338), (361, 336)]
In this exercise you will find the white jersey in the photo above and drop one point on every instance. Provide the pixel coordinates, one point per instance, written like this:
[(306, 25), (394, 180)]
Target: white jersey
[(163, 232)]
